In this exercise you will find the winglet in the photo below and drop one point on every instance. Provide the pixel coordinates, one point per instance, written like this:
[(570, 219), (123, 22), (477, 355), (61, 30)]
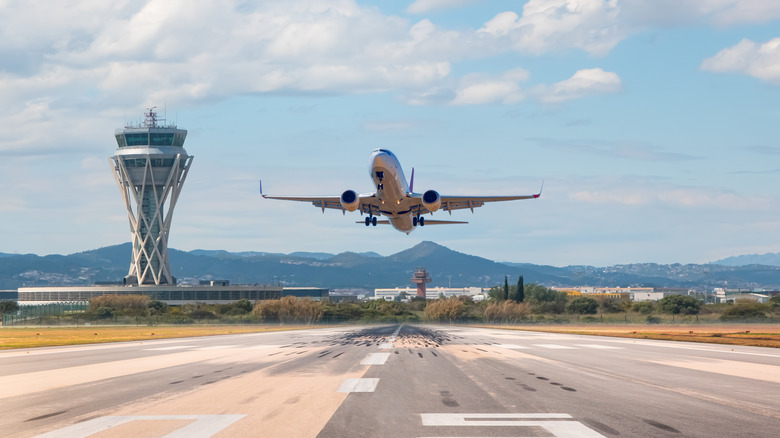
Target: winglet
[(411, 182), (261, 189), (540, 191)]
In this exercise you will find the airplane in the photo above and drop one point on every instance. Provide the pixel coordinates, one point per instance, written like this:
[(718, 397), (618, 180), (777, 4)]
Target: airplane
[(396, 199)]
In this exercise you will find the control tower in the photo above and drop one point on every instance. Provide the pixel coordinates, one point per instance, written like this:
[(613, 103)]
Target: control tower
[(150, 166), (421, 277)]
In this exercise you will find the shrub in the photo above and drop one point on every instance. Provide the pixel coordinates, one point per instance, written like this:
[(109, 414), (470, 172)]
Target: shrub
[(679, 305), (744, 311), (583, 306), (643, 307), (8, 307), (506, 311)]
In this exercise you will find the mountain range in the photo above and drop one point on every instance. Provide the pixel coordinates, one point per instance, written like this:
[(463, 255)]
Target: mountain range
[(369, 270)]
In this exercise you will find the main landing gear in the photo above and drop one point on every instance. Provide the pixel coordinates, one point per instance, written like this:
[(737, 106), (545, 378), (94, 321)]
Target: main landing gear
[(417, 220), (371, 220)]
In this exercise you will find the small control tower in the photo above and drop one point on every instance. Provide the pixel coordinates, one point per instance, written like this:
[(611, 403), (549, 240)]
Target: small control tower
[(150, 166), (421, 277)]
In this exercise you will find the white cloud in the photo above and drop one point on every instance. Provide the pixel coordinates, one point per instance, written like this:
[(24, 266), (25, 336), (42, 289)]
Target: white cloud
[(761, 61), (545, 25), (423, 6), (583, 83), (478, 89)]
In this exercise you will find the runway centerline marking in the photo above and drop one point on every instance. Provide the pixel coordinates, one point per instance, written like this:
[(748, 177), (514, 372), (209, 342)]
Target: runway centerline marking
[(512, 346), (174, 347), (203, 426), (375, 359), (386, 346), (358, 385), (559, 425)]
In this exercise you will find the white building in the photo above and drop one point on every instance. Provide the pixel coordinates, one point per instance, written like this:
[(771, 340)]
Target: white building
[(431, 293)]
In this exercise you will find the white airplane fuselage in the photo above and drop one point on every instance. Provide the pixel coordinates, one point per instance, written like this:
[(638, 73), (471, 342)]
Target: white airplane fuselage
[(391, 189)]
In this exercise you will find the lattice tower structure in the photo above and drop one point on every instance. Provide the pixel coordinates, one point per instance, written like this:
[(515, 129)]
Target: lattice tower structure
[(150, 166), (421, 278)]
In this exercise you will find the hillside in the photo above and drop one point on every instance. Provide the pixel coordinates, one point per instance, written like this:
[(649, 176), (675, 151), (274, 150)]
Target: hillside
[(369, 270)]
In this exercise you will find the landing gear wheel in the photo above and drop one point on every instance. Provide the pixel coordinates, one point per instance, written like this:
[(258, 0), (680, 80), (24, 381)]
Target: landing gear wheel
[(368, 221), (414, 221), (373, 221), (422, 221)]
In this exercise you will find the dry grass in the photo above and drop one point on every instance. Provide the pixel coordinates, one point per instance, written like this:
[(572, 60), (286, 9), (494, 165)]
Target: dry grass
[(757, 335), (11, 337)]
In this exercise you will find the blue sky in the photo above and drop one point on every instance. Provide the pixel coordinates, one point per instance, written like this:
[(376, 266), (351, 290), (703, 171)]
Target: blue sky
[(654, 124)]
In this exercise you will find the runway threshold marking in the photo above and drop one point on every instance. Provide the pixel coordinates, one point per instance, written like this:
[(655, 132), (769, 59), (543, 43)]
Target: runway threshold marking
[(358, 385), (559, 425), (375, 359), (203, 426)]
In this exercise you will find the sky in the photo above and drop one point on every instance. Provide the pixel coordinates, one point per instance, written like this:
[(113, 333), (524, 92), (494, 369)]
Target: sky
[(653, 124)]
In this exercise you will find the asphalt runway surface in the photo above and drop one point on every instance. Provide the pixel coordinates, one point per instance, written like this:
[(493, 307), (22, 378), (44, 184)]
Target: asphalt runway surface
[(391, 381)]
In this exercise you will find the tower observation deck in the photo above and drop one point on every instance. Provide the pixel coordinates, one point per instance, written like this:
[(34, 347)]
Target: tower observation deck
[(150, 166)]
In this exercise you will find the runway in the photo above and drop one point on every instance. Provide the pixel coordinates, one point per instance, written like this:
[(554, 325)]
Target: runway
[(391, 381)]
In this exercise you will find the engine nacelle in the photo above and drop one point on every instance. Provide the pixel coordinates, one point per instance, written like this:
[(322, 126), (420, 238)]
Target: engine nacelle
[(349, 200), (431, 200)]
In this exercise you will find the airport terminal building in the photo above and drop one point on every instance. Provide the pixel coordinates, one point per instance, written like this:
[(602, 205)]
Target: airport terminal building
[(172, 295)]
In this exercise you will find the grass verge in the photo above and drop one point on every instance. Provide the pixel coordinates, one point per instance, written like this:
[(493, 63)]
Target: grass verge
[(12, 337), (756, 335)]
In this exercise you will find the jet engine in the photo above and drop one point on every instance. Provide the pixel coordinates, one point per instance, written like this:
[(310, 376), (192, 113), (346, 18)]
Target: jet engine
[(431, 200), (349, 200)]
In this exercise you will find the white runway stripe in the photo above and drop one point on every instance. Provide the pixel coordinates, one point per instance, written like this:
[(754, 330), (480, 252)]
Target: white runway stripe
[(358, 385), (512, 346), (216, 347), (554, 346), (174, 347), (386, 345), (600, 347), (375, 359)]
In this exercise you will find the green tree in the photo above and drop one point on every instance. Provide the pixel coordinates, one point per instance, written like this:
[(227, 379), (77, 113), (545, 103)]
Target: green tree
[(520, 290), (496, 293), (8, 307), (545, 300), (583, 306), (506, 288), (679, 305)]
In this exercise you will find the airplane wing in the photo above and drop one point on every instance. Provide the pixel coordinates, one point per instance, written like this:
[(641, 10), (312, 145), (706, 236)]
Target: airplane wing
[(451, 203), (368, 201)]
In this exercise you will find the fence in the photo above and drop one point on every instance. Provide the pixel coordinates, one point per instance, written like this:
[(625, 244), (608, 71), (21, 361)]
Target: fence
[(40, 310)]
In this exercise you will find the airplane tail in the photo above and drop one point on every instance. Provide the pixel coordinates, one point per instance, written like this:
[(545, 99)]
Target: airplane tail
[(411, 182)]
